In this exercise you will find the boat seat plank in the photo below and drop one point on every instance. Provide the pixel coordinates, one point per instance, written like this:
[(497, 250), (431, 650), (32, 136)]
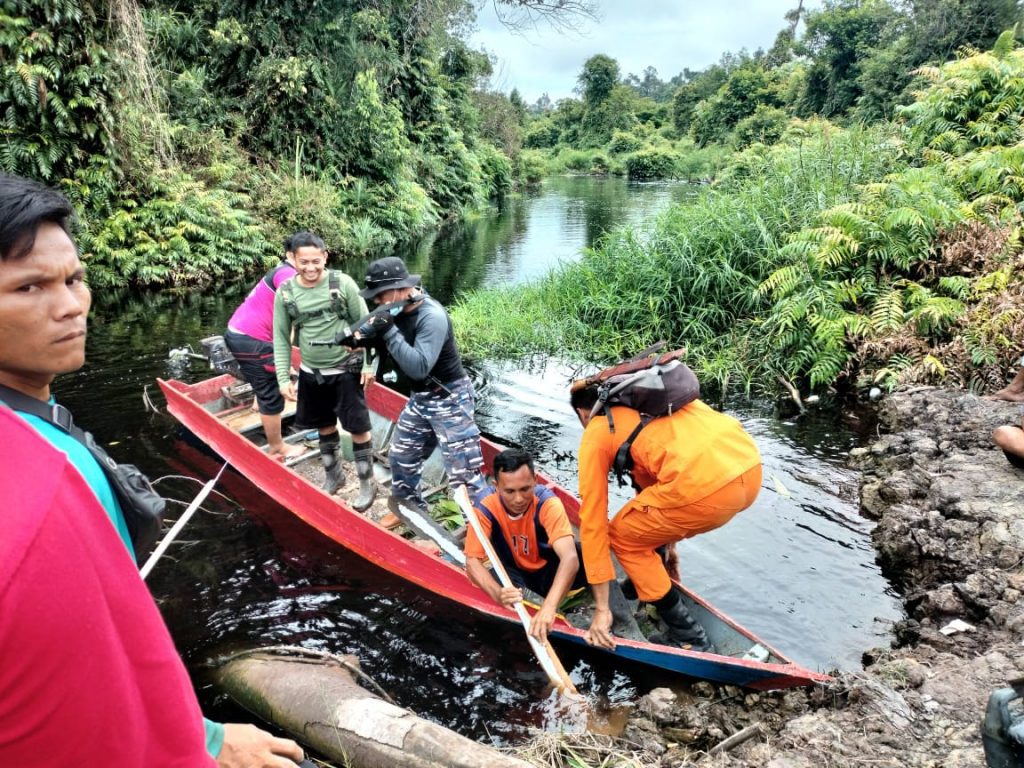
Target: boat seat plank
[(246, 420)]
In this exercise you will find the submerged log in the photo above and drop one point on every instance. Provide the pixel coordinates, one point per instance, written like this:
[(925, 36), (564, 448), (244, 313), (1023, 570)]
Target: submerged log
[(320, 704)]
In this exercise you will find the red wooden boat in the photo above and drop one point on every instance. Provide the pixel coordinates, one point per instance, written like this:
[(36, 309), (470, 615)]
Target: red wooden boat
[(741, 659)]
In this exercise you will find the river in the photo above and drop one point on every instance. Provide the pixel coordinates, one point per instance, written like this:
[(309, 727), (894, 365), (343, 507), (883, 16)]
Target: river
[(797, 568)]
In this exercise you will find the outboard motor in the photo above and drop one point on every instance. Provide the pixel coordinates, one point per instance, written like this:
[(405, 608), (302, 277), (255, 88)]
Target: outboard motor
[(221, 359)]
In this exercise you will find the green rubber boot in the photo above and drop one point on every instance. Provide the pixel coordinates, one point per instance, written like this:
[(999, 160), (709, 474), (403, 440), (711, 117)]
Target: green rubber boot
[(334, 475), (367, 485)]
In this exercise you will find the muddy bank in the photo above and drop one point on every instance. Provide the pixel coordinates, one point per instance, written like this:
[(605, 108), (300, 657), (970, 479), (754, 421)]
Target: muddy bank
[(950, 533)]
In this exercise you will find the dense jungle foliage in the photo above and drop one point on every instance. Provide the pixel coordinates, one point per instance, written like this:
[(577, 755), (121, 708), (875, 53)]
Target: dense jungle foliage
[(853, 60), (194, 135), (863, 225), (858, 255)]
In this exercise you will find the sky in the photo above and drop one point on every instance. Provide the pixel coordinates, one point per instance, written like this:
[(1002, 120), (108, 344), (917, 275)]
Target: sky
[(666, 34)]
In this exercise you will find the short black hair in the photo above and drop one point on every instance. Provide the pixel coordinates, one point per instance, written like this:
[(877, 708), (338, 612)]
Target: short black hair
[(512, 459), (585, 397), (24, 205), (305, 239)]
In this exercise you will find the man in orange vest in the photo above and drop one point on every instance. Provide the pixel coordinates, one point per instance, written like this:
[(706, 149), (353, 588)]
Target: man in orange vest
[(694, 469), (531, 535)]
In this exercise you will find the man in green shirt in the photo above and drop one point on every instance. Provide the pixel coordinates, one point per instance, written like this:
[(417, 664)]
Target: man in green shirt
[(316, 304)]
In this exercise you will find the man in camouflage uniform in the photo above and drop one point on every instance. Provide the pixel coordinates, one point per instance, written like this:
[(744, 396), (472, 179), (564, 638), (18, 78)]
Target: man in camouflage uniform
[(418, 337)]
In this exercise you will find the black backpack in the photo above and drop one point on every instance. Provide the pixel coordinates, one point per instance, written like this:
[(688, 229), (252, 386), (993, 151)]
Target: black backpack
[(143, 507), (653, 385)]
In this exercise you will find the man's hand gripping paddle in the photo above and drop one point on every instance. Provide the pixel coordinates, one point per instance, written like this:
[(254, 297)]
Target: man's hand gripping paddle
[(544, 652)]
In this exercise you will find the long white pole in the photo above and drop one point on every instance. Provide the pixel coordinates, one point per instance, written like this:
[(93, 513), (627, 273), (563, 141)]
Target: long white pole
[(545, 653), (182, 521)]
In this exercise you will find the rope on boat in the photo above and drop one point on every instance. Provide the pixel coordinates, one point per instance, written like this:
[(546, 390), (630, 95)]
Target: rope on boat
[(298, 650), (147, 401), (194, 480), (154, 558)]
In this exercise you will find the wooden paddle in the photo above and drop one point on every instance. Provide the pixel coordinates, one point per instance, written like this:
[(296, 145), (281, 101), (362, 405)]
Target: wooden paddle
[(545, 653)]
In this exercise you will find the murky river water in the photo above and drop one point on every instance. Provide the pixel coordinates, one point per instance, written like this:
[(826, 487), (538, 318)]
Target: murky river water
[(797, 568)]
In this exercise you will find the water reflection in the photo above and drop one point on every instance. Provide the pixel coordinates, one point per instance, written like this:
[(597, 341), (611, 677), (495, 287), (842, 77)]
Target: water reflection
[(529, 234)]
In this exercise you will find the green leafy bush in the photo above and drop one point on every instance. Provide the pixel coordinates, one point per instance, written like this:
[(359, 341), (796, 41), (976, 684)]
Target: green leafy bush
[(765, 126), (496, 169), (402, 210), (58, 85), (652, 164), (971, 103), (181, 234), (531, 166), (850, 277), (543, 134), (623, 143), (702, 163), (577, 160), (365, 237), (287, 204)]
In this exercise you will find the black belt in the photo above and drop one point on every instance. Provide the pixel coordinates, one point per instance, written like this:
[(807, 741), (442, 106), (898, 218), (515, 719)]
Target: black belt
[(434, 387)]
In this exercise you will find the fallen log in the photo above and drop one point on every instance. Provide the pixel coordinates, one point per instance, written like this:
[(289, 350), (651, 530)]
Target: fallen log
[(318, 702)]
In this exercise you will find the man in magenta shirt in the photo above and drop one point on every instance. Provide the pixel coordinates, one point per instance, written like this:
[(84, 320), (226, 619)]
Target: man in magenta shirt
[(250, 337)]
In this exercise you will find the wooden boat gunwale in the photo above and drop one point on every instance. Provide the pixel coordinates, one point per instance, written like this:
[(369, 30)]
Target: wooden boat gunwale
[(332, 517)]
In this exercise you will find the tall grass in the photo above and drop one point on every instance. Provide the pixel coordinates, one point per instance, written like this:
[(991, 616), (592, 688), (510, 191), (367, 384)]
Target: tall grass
[(691, 276), (877, 256)]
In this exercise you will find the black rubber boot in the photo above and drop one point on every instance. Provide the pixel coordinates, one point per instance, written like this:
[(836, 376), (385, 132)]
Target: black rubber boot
[(333, 473), (682, 630), (628, 590), (364, 469)]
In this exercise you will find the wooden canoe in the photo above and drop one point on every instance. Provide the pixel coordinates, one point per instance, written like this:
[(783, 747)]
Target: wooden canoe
[(741, 659)]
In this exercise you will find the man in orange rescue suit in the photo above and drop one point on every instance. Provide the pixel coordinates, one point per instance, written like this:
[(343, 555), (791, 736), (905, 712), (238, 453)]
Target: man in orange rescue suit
[(694, 469), (533, 539)]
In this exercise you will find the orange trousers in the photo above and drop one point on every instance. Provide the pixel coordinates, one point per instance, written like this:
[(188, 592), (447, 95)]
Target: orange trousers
[(636, 531)]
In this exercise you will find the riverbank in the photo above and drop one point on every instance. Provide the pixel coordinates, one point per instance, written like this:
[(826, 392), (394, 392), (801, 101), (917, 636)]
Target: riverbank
[(950, 533)]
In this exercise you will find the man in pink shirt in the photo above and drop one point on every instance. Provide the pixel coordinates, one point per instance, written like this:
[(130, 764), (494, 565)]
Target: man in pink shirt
[(66, 595), (90, 676), (250, 337)]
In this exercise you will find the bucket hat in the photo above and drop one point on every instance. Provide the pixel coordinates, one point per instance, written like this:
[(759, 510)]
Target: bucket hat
[(386, 274)]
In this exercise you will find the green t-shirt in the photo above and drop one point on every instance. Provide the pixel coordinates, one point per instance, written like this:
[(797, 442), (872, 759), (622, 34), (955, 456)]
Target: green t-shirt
[(318, 322)]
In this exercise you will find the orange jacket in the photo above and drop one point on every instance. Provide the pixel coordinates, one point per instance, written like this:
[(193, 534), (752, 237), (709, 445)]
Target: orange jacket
[(677, 460), (521, 532)]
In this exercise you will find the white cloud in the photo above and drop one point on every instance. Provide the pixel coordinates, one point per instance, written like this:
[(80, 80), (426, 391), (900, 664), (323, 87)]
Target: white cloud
[(669, 35)]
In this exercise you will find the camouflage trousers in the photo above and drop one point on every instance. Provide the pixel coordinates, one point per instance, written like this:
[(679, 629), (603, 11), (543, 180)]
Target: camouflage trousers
[(430, 420)]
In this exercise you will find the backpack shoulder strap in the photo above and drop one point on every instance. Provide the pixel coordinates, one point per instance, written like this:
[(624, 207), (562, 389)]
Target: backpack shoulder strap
[(60, 417), (623, 458), (286, 291), (338, 304), (268, 279), (55, 414)]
